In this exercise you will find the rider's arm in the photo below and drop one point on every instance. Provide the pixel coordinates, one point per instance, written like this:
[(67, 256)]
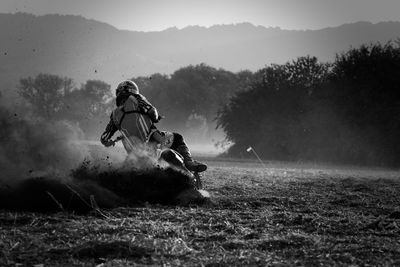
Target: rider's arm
[(149, 109), (108, 133), (153, 114)]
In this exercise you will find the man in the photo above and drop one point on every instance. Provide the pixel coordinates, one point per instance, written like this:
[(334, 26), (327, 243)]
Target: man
[(135, 117)]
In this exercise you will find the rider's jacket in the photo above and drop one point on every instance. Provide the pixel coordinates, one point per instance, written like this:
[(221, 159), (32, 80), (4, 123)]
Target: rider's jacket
[(135, 120)]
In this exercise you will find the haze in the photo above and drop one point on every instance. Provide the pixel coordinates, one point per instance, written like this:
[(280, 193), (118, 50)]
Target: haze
[(157, 15)]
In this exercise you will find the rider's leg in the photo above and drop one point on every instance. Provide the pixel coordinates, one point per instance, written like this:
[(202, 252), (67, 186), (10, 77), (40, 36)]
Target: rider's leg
[(180, 146), (164, 139)]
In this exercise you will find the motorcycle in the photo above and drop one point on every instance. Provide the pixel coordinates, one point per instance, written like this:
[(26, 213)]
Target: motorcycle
[(175, 160)]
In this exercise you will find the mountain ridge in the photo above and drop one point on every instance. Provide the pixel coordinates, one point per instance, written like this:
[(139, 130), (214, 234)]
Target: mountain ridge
[(80, 48)]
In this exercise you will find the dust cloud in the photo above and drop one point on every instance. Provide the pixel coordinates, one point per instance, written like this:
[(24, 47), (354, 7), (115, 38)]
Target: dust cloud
[(46, 167), (29, 146)]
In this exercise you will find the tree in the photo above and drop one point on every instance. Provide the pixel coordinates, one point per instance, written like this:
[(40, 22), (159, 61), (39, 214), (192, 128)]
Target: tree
[(307, 72), (366, 85), (45, 93), (269, 115), (345, 112), (89, 106), (198, 90)]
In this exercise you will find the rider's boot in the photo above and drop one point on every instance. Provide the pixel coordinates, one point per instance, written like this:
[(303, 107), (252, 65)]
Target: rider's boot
[(191, 164)]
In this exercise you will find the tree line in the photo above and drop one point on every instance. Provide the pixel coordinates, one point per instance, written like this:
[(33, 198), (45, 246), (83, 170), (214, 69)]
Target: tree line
[(346, 111), (53, 98), (189, 98)]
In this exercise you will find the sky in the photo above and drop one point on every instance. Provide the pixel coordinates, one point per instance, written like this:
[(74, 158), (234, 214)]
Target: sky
[(157, 15)]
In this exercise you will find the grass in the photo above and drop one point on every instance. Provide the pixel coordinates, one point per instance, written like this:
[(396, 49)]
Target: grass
[(285, 214)]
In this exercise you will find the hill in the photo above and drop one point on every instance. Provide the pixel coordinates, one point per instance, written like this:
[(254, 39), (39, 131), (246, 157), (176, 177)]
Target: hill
[(87, 49)]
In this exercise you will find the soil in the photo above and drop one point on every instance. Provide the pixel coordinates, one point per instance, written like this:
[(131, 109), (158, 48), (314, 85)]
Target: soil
[(281, 214)]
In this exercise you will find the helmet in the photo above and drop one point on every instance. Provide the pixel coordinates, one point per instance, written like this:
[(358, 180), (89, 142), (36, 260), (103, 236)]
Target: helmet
[(127, 86)]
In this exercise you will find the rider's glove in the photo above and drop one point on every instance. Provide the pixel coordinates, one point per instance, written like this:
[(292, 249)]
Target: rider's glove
[(160, 118), (107, 143)]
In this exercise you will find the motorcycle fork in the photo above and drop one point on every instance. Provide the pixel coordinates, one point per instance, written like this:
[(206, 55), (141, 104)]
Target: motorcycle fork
[(198, 181)]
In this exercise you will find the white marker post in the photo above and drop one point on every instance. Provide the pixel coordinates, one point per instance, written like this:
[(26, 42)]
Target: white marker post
[(255, 153)]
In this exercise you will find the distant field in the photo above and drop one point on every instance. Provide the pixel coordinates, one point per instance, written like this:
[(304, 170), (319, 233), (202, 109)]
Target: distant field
[(283, 214)]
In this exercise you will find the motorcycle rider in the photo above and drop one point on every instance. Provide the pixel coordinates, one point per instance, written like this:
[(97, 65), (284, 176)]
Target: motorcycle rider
[(135, 118)]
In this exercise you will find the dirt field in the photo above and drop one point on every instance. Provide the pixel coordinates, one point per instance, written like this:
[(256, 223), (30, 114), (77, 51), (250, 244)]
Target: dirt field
[(283, 214)]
